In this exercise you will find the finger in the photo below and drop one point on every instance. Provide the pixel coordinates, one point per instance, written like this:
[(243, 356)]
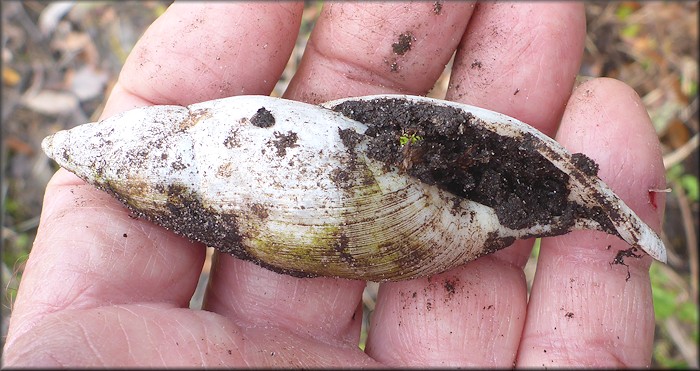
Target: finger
[(328, 308), (202, 51), (583, 310), (324, 309), (88, 251), (468, 316), (372, 48), (488, 304), (153, 335), (521, 60)]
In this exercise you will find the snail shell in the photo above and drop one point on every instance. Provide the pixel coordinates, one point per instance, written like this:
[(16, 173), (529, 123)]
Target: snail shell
[(378, 188)]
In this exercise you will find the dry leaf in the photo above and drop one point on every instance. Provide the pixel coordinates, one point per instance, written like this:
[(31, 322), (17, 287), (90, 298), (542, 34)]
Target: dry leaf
[(52, 102)]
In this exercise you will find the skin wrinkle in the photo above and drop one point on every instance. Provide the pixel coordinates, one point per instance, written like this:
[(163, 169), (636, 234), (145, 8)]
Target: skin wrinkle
[(635, 306), (194, 342), (234, 22), (351, 70), (375, 71), (125, 333), (487, 317), (339, 32), (178, 328), (327, 323), (150, 266), (157, 254), (373, 20), (55, 360), (569, 351), (158, 90), (240, 347), (203, 70), (513, 68), (198, 70), (596, 346), (618, 172), (87, 341), (95, 265), (538, 31), (540, 63), (150, 328), (206, 345), (591, 335), (79, 293), (472, 315)]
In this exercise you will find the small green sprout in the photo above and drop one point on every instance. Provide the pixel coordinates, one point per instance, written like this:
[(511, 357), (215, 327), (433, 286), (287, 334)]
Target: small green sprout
[(412, 138)]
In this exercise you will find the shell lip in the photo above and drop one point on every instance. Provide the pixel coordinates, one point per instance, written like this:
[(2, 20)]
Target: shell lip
[(650, 242)]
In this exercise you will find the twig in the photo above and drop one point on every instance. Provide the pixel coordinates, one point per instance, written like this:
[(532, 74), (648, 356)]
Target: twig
[(33, 32), (681, 152), (369, 295), (690, 237), (689, 112), (674, 281), (28, 224), (685, 346)]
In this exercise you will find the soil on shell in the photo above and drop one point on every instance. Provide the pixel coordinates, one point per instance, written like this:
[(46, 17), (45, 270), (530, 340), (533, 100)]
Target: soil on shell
[(450, 149)]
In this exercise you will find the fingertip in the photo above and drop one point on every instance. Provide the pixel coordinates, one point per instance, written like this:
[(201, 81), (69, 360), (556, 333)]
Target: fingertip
[(322, 308), (374, 48), (527, 67), (63, 177), (436, 321), (606, 119), (198, 51), (592, 288)]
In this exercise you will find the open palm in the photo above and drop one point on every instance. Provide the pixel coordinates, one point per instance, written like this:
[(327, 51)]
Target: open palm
[(104, 289)]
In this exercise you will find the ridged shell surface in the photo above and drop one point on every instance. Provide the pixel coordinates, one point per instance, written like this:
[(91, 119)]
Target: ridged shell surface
[(290, 186)]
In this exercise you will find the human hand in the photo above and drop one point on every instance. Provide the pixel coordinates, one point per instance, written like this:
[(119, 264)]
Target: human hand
[(101, 288)]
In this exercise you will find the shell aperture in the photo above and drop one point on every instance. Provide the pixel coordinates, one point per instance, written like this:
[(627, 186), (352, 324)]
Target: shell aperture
[(376, 188)]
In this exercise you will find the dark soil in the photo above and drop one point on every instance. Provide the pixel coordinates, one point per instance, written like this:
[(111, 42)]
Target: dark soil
[(627, 253), (403, 44), (263, 118), (448, 148), (585, 164), (284, 141), (437, 7), (187, 216)]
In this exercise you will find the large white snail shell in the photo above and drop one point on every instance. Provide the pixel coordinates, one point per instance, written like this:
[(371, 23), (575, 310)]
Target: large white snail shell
[(291, 186)]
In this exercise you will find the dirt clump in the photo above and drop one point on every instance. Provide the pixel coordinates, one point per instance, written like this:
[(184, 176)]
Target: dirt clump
[(451, 149), (403, 44), (263, 118)]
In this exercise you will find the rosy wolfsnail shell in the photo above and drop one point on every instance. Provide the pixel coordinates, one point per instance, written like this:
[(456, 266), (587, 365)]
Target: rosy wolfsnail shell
[(377, 188)]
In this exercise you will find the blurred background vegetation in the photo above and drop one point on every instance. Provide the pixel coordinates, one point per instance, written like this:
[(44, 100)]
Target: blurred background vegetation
[(61, 59)]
